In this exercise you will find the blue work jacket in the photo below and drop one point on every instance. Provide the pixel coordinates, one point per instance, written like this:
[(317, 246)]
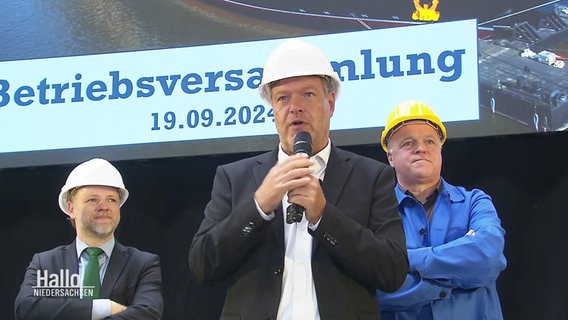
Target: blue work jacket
[(452, 275)]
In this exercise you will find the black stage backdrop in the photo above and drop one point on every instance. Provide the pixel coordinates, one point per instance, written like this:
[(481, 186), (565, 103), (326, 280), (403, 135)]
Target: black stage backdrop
[(525, 174)]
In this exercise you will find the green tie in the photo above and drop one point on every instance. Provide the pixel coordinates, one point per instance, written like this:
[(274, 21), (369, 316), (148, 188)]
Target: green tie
[(92, 278)]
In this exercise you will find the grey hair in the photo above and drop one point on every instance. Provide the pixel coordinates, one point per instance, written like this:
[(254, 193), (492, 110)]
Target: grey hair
[(329, 85)]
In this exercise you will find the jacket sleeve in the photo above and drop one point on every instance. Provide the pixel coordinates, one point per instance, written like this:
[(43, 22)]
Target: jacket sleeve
[(469, 261), (147, 302), (414, 293), (463, 262), (30, 306), (230, 229)]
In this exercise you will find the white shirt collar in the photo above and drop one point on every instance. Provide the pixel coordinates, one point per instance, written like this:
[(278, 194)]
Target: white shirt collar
[(107, 246), (321, 158)]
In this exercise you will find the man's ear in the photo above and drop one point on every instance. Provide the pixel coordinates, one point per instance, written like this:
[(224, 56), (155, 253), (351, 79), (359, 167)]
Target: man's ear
[(71, 209), (331, 101), (389, 157)]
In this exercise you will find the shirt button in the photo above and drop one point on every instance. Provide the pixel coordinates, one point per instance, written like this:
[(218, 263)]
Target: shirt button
[(442, 294), (422, 231)]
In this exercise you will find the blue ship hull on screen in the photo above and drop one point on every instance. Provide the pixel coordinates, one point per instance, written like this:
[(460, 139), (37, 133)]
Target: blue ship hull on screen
[(337, 15), (523, 45)]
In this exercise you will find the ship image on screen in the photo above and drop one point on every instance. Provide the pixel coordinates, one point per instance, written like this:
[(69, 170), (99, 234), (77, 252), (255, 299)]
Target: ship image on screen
[(521, 80)]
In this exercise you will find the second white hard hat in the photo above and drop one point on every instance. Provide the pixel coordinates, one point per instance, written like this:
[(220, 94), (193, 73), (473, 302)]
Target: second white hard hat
[(95, 172), (294, 58)]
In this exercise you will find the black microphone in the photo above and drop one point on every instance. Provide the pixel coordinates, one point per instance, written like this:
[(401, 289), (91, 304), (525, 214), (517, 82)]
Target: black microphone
[(302, 144)]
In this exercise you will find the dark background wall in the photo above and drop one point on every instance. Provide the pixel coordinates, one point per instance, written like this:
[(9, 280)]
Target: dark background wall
[(525, 174)]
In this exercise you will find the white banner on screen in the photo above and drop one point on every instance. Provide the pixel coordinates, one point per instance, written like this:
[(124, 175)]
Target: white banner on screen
[(209, 92)]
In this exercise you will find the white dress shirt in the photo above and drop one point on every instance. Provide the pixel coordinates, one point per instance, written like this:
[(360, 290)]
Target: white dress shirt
[(298, 299)]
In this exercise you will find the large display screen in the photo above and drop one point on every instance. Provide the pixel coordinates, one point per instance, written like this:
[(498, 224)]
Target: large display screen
[(145, 79)]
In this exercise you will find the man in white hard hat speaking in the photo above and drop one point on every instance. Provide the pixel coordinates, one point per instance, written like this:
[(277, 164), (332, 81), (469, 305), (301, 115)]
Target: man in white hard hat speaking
[(300, 236), (95, 277)]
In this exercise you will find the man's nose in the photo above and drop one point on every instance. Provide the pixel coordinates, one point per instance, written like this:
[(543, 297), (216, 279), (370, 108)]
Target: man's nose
[(103, 205), (420, 147), (296, 104)]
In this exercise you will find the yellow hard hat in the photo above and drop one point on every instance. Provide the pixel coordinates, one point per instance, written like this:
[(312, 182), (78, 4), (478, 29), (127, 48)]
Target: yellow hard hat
[(409, 111)]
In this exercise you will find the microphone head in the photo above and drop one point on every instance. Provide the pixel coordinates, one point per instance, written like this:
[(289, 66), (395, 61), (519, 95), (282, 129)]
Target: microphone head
[(303, 143)]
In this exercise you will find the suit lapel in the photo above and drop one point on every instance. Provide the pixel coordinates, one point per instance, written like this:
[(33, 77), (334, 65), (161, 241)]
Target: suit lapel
[(265, 163), (338, 170), (69, 258), (117, 262), (336, 173)]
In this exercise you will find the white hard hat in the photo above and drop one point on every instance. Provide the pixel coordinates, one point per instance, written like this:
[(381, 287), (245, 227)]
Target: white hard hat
[(294, 58), (95, 172)]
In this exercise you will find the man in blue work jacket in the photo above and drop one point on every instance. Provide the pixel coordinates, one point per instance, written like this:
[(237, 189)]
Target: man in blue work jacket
[(454, 237)]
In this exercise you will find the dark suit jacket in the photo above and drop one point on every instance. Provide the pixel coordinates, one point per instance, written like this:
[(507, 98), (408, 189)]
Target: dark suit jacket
[(359, 244), (133, 278)]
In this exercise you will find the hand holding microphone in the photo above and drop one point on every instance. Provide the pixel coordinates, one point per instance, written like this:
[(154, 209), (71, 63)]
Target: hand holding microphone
[(302, 144)]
